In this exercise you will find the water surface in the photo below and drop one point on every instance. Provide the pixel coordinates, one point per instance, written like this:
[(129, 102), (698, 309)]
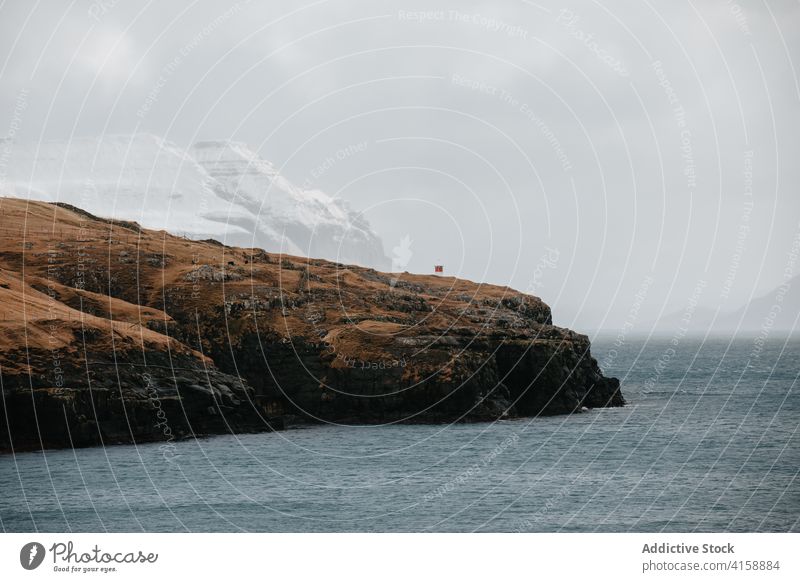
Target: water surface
[(707, 443)]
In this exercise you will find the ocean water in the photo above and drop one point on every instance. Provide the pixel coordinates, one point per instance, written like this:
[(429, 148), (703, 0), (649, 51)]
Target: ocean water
[(708, 442)]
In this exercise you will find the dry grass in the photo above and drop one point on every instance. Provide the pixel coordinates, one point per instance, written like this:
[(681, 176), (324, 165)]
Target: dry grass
[(62, 265)]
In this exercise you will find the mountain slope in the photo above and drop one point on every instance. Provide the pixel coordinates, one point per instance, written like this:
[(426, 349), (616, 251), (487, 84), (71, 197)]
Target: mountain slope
[(105, 324), (316, 224), (219, 190)]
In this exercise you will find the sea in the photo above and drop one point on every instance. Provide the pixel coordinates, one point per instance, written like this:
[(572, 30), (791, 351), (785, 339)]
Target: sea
[(708, 442)]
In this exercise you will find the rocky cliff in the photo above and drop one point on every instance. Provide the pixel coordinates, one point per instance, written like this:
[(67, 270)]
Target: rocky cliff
[(113, 333)]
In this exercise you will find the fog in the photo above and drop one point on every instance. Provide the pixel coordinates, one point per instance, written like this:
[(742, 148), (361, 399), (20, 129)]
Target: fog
[(612, 159)]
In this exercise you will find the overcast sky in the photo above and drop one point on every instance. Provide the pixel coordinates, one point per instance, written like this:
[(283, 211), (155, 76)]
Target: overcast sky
[(585, 152)]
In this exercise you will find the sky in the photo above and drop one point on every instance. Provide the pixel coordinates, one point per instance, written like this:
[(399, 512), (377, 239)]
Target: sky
[(621, 160)]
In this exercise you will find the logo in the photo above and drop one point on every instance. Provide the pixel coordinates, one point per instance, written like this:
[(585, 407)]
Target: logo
[(31, 555)]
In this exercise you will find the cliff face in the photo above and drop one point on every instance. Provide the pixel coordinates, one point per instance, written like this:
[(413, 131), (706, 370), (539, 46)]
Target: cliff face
[(113, 333)]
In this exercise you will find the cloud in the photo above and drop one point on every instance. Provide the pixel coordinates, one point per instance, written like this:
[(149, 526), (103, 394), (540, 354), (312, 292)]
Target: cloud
[(513, 118)]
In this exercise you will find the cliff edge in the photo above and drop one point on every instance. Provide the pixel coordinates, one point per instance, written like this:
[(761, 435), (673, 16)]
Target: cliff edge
[(111, 333)]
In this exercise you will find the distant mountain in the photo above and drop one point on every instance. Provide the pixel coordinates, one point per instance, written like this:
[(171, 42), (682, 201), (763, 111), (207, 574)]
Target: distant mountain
[(221, 190), (776, 311)]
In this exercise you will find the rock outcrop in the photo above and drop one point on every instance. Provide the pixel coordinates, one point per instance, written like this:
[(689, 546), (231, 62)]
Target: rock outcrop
[(114, 333)]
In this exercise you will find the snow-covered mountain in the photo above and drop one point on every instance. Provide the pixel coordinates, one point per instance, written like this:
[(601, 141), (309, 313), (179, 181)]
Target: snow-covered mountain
[(221, 190)]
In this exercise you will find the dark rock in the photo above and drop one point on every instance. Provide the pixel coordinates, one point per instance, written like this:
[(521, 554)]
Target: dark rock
[(184, 342)]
